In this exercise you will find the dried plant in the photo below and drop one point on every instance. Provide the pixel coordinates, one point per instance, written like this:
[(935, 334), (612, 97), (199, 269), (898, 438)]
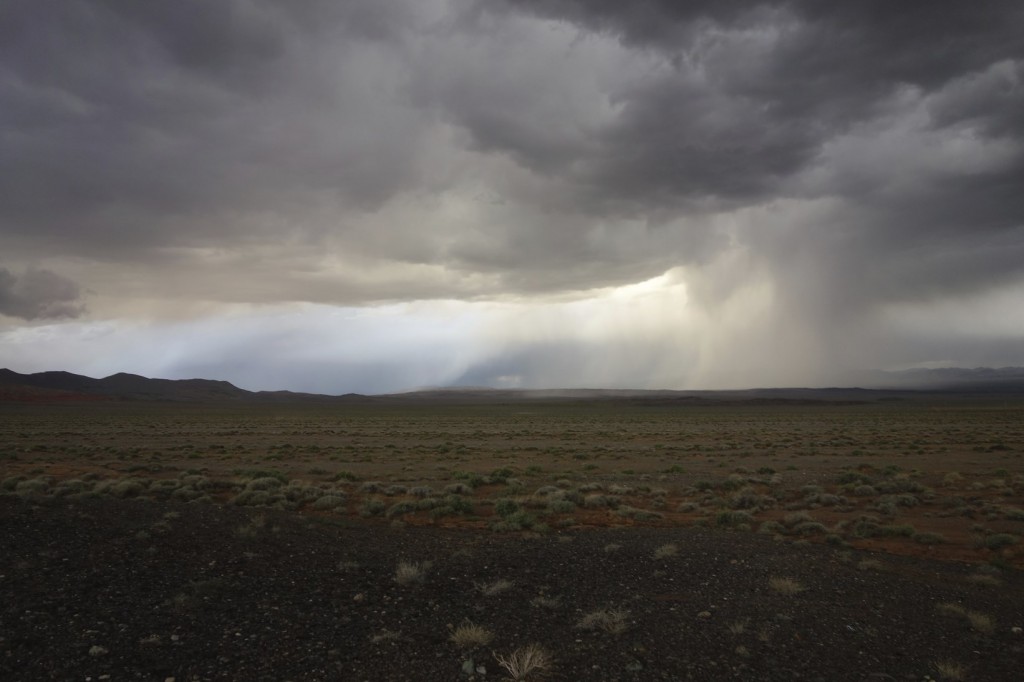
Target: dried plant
[(529, 661)]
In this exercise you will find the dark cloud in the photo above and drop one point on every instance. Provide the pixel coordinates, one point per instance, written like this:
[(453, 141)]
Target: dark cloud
[(907, 118), (130, 127), (845, 157), (38, 293)]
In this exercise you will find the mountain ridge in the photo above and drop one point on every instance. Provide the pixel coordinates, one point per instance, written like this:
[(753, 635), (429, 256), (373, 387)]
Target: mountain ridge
[(59, 385)]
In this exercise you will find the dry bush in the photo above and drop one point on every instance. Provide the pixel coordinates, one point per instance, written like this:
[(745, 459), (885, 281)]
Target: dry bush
[(612, 621), (469, 635), (529, 661), (666, 550), (409, 573), (981, 622), (948, 670)]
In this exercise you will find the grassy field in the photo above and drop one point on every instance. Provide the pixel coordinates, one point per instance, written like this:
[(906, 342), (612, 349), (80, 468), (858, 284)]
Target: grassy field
[(941, 478)]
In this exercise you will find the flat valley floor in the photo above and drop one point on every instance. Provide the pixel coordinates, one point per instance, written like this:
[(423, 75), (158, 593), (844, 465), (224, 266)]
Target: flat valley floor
[(433, 540)]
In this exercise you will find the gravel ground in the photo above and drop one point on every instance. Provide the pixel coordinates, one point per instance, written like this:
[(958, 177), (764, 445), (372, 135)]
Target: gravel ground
[(126, 589)]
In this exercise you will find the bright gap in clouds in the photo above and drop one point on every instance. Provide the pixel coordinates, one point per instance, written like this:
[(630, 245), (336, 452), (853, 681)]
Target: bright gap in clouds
[(636, 336)]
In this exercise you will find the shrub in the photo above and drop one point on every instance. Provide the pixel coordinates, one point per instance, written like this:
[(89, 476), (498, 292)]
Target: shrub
[(561, 506), (524, 662), (749, 499), (469, 635), (506, 507), (612, 621), (11, 482), (264, 483), (373, 506), (409, 573), (597, 501), (981, 622), (950, 670), (666, 550), (450, 505), (520, 520), (733, 519), (400, 509), (251, 498), (1014, 514), (928, 538), (33, 486), (328, 502), (795, 518), (809, 528), (998, 541)]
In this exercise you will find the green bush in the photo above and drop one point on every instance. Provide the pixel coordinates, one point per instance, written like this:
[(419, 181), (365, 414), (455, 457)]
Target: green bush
[(505, 507)]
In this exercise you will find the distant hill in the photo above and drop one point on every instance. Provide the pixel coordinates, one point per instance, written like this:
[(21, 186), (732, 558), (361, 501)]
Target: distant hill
[(977, 379), (65, 386)]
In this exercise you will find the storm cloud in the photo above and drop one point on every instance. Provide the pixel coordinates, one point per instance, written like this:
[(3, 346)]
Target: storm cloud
[(814, 187), (38, 293)]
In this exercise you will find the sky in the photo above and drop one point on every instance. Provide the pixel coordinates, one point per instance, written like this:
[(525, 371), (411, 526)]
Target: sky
[(370, 196)]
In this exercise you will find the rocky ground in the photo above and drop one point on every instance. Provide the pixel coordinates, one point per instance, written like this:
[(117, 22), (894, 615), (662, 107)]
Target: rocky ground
[(102, 588)]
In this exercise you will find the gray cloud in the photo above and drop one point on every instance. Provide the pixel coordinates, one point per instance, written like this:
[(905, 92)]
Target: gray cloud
[(844, 157), (38, 293)]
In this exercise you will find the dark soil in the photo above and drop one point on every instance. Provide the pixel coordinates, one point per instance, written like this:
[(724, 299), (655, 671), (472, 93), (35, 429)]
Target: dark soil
[(128, 589)]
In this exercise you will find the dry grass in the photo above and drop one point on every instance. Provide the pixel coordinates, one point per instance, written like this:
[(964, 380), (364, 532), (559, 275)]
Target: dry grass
[(949, 609), (493, 588), (984, 579), (981, 622), (469, 635), (612, 621), (785, 585), (531, 661), (385, 635), (739, 627), (666, 550), (948, 670), (543, 602), (409, 573)]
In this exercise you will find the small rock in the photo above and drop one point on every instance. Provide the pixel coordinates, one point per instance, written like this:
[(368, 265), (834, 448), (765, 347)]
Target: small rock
[(481, 669), (704, 614), (468, 666), (1016, 630), (97, 650)]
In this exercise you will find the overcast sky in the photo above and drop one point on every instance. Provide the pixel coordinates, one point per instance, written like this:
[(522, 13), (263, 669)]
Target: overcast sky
[(371, 196)]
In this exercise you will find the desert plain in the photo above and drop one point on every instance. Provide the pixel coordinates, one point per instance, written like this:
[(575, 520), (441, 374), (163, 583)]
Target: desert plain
[(446, 536)]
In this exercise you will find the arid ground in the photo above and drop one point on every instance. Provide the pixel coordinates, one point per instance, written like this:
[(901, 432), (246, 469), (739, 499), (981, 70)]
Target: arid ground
[(433, 539)]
